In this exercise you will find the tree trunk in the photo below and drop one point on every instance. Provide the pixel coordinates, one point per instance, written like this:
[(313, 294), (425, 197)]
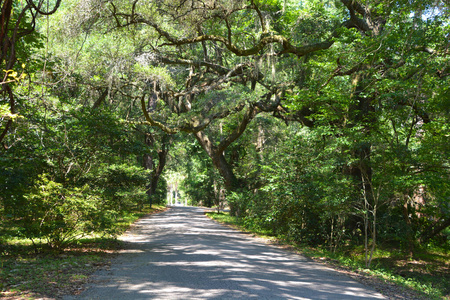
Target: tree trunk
[(360, 114), (219, 161), (434, 230), (6, 88), (149, 164), (216, 153), (5, 43), (162, 159), (409, 231), (100, 99), (232, 183)]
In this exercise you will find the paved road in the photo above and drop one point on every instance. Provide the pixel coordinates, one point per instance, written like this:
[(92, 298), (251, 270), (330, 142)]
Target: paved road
[(181, 254)]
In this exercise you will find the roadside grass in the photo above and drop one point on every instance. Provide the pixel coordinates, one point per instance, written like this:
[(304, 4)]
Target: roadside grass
[(427, 274), (25, 274)]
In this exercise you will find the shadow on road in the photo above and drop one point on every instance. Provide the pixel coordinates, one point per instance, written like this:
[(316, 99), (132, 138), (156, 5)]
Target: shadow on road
[(181, 254)]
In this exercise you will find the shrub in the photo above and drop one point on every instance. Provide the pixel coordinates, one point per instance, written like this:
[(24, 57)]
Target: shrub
[(54, 213), (123, 187)]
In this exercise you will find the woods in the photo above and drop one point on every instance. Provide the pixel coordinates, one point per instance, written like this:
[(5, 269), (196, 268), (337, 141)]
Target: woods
[(325, 122)]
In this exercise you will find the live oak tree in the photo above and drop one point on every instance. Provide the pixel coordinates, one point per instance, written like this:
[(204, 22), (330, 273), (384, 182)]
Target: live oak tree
[(17, 31), (101, 71), (209, 39), (206, 37), (339, 64), (319, 116)]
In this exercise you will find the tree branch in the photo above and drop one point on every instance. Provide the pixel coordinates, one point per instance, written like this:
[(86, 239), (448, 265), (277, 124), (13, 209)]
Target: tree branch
[(248, 116), (272, 39), (153, 122)]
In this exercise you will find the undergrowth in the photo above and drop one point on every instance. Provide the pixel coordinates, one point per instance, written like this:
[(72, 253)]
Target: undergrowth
[(30, 272), (427, 272)]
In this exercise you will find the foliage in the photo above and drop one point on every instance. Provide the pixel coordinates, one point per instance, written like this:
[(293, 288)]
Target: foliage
[(25, 274), (54, 213), (122, 186), (59, 214), (389, 264), (49, 192), (201, 177), (326, 121)]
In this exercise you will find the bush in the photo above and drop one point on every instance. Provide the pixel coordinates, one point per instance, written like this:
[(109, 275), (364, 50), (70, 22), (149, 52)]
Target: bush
[(53, 212), (44, 210), (123, 187)]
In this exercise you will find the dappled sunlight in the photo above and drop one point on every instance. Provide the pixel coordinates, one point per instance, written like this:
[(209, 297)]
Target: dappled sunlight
[(181, 254)]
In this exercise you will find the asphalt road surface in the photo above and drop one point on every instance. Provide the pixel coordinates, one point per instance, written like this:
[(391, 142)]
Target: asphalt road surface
[(181, 254)]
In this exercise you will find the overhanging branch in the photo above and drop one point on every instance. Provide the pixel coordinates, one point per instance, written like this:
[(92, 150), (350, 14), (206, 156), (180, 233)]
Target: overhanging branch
[(154, 123)]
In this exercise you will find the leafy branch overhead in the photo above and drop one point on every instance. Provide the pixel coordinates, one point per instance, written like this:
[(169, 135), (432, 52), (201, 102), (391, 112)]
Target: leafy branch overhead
[(17, 22), (325, 122), (248, 29)]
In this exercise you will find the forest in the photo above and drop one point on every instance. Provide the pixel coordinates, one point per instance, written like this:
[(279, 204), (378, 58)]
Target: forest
[(325, 122)]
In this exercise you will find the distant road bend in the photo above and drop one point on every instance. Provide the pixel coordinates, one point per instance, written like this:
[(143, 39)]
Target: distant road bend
[(181, 254)]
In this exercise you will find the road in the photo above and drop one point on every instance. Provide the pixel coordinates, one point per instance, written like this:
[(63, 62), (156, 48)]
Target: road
[(181, 254)]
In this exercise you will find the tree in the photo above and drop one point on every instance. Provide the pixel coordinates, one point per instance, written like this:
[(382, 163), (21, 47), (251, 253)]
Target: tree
[(360, 90), (17, 31), (219, 72), (149, 164), (210, 73)]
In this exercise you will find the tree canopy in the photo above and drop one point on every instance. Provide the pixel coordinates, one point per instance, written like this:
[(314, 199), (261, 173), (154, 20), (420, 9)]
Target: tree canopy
[(324, 121)]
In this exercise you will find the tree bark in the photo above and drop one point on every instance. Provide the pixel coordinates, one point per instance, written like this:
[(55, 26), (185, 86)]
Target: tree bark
[(434, 229), (5, 44), (162, 159), (148, 163), (100, 99), (219, 161)]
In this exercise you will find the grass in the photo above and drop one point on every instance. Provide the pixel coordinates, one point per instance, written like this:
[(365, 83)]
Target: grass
[(27, 275), (427, 273), (49, 275)]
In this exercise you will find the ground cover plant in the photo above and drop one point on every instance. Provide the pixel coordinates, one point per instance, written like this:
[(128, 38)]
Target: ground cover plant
[(50, 273)]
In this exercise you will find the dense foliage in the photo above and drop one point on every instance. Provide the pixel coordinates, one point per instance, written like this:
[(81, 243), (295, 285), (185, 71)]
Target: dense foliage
[(322, 121)]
